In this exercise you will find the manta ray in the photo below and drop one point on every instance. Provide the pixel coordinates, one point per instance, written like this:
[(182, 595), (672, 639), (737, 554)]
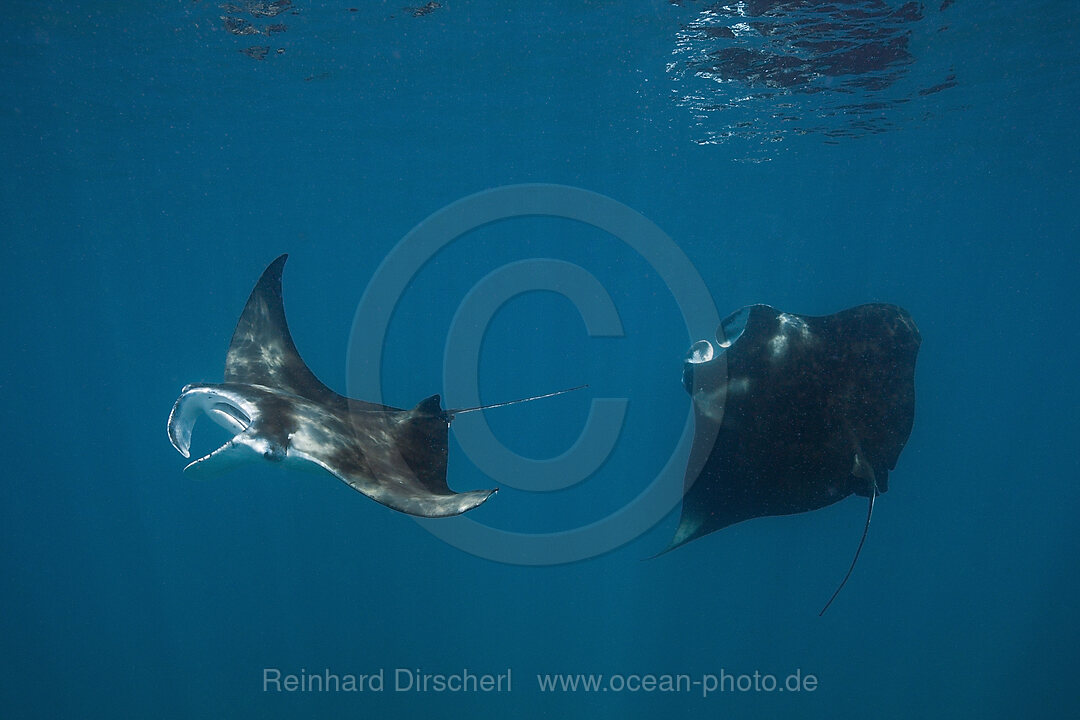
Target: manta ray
[(279, 411), (794, 413)]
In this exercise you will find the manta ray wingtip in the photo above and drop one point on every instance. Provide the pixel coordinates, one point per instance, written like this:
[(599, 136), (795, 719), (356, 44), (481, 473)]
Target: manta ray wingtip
[(450, 506), (274, 270)]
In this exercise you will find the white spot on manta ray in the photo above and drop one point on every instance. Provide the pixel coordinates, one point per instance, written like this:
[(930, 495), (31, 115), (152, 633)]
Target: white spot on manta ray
[(792, 323), (789, 325), (778, 346)]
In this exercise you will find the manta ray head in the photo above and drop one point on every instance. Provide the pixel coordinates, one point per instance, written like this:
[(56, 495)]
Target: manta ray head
[(234, 407), (705, 368)]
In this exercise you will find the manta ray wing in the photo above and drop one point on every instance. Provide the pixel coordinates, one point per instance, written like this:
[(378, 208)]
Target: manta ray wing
[(395, 457), (262, 352)]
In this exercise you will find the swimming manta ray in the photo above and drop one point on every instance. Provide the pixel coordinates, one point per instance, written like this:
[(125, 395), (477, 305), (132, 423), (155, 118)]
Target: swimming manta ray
[(794, 413), (279, 411)]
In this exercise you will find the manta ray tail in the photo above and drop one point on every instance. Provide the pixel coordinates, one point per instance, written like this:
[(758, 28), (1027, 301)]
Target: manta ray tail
[(462, 411), (866, 529)]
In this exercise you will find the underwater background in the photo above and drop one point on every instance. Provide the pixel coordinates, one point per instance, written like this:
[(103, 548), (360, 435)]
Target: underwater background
[(810, 155)]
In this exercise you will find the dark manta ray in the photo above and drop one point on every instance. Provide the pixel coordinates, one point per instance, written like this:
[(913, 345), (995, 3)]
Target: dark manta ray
[(795, 413), (280, 411)]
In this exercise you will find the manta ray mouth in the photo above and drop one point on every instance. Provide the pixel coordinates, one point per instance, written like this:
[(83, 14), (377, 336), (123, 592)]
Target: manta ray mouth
[(196, 401)]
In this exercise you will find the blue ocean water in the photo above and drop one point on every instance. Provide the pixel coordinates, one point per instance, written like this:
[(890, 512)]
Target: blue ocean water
[(806, 154)]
